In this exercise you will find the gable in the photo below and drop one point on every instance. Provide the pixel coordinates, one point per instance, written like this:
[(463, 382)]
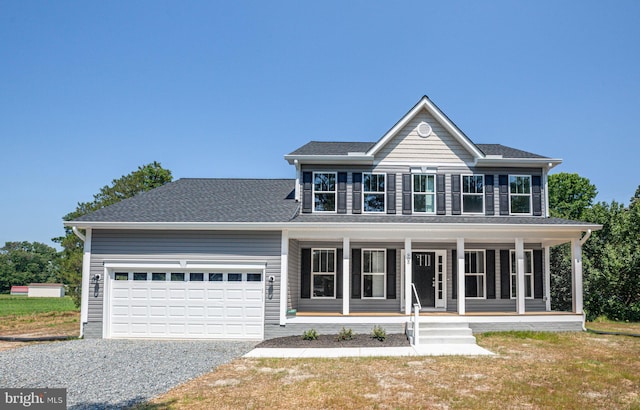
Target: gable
[(406, 146)]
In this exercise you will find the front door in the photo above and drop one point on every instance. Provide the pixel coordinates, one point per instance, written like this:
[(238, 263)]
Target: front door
[(424, 275)]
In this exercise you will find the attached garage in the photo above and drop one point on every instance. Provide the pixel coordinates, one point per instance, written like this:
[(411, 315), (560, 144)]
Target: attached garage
[(207, 302)]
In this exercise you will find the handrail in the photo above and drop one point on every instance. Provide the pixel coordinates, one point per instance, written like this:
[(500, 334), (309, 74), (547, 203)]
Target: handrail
[(415, 292)]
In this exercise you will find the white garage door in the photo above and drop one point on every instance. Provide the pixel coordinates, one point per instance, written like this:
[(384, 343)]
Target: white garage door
[(186, 305)]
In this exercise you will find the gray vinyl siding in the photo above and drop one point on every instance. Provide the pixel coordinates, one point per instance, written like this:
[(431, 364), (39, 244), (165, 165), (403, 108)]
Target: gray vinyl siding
[(122, 245)]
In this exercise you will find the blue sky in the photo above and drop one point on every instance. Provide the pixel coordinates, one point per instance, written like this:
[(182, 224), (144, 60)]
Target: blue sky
[(91, 90)]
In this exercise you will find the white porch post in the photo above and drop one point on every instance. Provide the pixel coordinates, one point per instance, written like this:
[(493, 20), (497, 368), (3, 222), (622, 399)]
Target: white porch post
[(408, 295), (576, 275), (346, 252), (284, 277), (461, 277), (520, 296), (86, 272), (547, 277)]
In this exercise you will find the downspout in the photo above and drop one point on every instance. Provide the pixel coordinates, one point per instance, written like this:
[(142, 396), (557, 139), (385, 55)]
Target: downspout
[(545, 173), (297, 191), (86, 266), (586, 237)]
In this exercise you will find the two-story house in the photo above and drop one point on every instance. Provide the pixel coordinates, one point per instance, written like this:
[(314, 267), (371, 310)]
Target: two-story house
[(368, 233)]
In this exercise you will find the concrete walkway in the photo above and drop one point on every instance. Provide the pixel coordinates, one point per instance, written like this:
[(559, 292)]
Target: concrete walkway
[(422, 350)]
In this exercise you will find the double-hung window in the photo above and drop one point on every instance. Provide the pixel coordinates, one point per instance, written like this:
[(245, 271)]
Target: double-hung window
[(324, 192), (528, 274), (323, 273), (474, 270), (473, 194), (373, 192), (424, 193), (520, 194), (373, 273)]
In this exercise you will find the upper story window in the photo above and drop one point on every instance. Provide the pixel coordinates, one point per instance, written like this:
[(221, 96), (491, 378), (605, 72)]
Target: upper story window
[(323, 273), (324, 191), (373, 192), (424, 193), (373, 273), (473, 194), (528, 274), (520, 194)]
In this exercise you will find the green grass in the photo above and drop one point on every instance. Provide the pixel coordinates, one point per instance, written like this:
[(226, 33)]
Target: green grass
[(23, 305)]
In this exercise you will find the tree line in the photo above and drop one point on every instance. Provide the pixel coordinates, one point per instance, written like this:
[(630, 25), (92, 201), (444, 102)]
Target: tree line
[(611, 257)]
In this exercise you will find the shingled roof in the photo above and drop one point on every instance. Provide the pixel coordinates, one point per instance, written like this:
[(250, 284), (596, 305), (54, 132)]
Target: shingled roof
[(206, 200)]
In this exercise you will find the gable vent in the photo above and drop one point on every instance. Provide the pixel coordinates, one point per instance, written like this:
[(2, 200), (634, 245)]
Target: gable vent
[(424, 129)]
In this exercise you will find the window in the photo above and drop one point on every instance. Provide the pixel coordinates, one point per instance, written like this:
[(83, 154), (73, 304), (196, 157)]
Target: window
[(254, 277), (215, 277), (234, 277), (323, 273), (474, 270), (373, 192), (520, 194), (424, 193), (373, 273), (121, 276), (140, 276), (177, 277), (324, 192), (528, 274), (158, 276), (473, 194), (196, 277)]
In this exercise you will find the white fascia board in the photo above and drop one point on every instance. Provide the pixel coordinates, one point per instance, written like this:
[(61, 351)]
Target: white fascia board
[(548, 163), (357, 158), (425, 103)]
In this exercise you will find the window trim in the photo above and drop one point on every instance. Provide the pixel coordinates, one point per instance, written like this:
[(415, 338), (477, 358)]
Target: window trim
[(484, 274), (383, 274), (314, 192), (383, 193), (462, 193), (334, 273), (512, 274), (414, 193), (530, 194)]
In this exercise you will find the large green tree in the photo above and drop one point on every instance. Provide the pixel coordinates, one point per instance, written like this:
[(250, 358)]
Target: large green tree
[(145, 178), (22, 263)]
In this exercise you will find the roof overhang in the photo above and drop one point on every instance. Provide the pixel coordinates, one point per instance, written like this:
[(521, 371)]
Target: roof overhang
[(351, 158), (492, 161)]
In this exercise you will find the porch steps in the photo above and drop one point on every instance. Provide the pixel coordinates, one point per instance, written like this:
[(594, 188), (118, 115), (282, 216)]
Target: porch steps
[(445, 333)]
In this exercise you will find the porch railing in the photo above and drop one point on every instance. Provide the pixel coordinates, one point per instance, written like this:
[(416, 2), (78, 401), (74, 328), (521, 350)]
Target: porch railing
[(416, 317)]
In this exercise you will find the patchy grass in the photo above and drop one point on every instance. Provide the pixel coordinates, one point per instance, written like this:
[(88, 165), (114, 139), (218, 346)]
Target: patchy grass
[(607, 325), (531, 370), (23, 305)]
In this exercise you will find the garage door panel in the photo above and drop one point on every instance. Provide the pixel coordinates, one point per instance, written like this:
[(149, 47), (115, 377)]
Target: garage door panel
[(191, 309)]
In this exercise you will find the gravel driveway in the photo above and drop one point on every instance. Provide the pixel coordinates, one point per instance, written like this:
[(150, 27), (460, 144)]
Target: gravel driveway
[(101, 373)]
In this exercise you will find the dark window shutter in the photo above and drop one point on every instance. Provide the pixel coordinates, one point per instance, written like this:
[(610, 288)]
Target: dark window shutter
[(536, 190), (505, 274), (391, 273), (355, 273), (488, 195), (406, 194), (307, 187), (454, 275), (391, 193), (455, 195), (504, 194), (339, 274), (537, 274), (305, 274), (342, 192), (356, 198), (491, 273), (441, 199)]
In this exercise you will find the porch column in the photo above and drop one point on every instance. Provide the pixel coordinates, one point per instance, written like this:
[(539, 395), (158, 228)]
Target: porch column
[(346, 252), (408, 293), (520, 276), (461, 277), (576, 275), (547, 277), (284, 277)]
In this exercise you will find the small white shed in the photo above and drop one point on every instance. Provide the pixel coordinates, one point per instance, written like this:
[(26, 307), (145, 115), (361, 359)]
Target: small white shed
[(46, 290)]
